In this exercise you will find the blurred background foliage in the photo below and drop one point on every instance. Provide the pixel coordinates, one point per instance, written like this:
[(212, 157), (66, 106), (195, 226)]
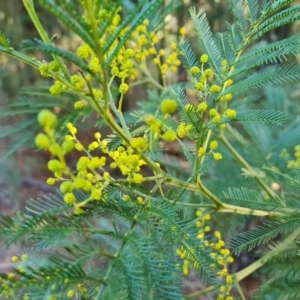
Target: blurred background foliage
[(23, 171)]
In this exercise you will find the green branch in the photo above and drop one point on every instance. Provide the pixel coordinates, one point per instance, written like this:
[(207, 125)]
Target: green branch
[(219, 205)]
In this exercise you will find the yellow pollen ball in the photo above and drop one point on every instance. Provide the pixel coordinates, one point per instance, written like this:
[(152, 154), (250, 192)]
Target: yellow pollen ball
[(204, 58), (14, 259), (217, 156), (168, 106), (182, 31)]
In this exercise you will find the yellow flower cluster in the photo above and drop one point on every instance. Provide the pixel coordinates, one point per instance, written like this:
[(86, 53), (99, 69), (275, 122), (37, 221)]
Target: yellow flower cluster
[(144, 45), (215, 116), (213, 146), (187, 260), (168, 106), (130, 59), (183, 129), (123, 67), (202, 76), (87, 178), (230, 113), (202, 107), (128, 159), (91, 176), (295, 163), (156, 126), (11, 278), (57, 88), (184, 254), (226, 97), (80, 104), (219, 254), (46, 68)]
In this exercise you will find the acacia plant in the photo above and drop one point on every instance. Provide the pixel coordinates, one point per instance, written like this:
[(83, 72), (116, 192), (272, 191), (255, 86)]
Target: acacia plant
[(129, 221)]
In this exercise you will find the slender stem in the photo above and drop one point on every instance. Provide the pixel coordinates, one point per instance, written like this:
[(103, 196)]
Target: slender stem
[(138, 82), (219, 205), (205, 145), (210, 195), (201, 292), (243, 162), (227, 208), (239, 290), (121, 103), (151, 178), (151, 79), (195, 205), (39, 27), (21, 57), (119, 115)]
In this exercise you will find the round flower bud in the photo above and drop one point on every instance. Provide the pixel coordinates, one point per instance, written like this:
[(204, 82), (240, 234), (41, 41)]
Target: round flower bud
[(123, 88), (230, 260), (14, 259), (169, 136), (213, 145), (51, 181), (204, 58), (47, 118), (71, 293), (69, 198), (97, 135), (68, 146), (195, 70), (208, 72), (215, 88), (66, 187), (138, 178), (168, 106), (199, 86), (217, 234), (79, 104), (202, 107), (11, 276), (42, 141), (182, 31), (217, 156), (230, 113), (139, 142), (55, 165), (96, 194), (79, 147), (217, 119), (213, 112), (229, 82)]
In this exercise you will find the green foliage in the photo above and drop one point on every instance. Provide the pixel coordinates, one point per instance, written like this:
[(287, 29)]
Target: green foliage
[(38, 45), (130, 219), (4, 40)]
